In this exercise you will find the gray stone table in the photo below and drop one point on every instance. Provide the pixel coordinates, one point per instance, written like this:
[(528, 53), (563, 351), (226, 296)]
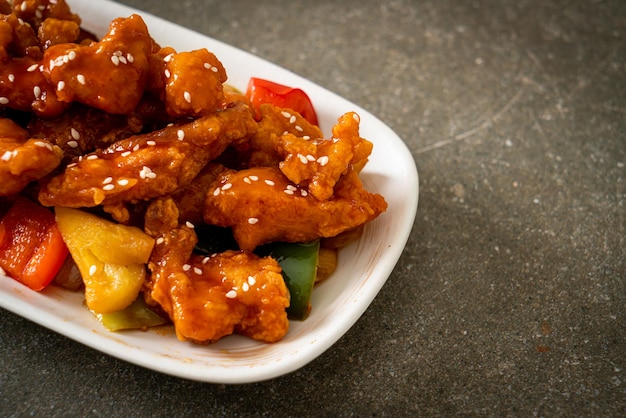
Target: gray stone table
[(510, 296)]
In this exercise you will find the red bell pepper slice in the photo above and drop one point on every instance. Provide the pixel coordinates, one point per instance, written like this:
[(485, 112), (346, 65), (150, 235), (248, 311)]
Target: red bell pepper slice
[(263, 91), (31, 247)]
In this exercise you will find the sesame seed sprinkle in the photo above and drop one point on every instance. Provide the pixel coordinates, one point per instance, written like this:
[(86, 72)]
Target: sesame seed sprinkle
[(286, 114), (247, 180), (254, 178), (253, 221), (206, 260), (269, 182), (197, 270), (287, 191), (323, 160), (92, 157), (292, 119), (71, 55), (80, 78), (189, 225), (61, 85), (4, 100), (187, 96), (186, 267), (160, 240), (167, 73), (123, 60), (125, 153), (107, 180), (303, 192), (245, 287), (37, 91), (75, 134), (136, 148), (123, 182), (93, 269), (32, 68), (227, 186), (231, 294), (108, 187), (6, 156), (130, 57), (11, 77), (302, 159), (217, 191), (115, 60), (180, 134)]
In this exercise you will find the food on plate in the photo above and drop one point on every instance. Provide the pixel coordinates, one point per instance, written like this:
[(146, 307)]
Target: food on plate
[(178, 198)]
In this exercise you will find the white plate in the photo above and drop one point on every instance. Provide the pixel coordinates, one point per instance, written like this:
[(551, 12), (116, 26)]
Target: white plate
[(338, 302)]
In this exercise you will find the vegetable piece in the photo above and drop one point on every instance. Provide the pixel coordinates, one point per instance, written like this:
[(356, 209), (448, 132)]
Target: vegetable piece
[(135, 316), (111, 257), (263, 91), (31, 247), (299, 264), (326, 263)]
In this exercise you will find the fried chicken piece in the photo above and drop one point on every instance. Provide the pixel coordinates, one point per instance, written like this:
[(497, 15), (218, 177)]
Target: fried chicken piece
[(36, 11), (110, 75), (83, 129), (146, 166), (17, 39), (208, 298), (23, 160), (262, 150), (261, 205), (318, 164), (54, 31), (193, 85)]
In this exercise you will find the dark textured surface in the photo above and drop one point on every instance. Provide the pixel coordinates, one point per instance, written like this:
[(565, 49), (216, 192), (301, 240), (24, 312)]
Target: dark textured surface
[(510, 298)]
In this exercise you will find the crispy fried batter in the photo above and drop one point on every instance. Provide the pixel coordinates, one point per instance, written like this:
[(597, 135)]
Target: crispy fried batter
[(145, 166), (261, 205), (110, 75), (210, 297), (23, 160), (318, 164)]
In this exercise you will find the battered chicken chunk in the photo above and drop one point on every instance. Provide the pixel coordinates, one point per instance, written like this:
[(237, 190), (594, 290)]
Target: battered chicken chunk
[(145, 166), (110, 75), (261, 205), (318, 164), (210, 297), (23, 160)]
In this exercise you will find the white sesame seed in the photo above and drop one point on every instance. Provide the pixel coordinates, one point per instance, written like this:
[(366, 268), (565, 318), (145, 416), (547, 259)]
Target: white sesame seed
[(253, 221), (207, 65), (356, 117), (180, 134), (269, 182), (126, 153), (75, 134), (6, 156), (81, 79), (61, 85), (117, 53), (151, 143), (323, 160), (107, 180), (306, 137), (197, 270), (93, 269), (37, 91), (302, 159), (108, 187), (187, 96), (227, 186), (4, 100), (11, 77), (186, 267), (92, 157), (217, 191), (32, 68), (310, 157), (254, 178), (206, 260), (231, 294), (292, 119), (168, 57), (160, 240), (71, 55), (122, 182), (303, 192), (130, 57), (115, 60), (291, 187), (247, 180), (286, 114), (299, 128), (167, 73), (23, 6), (136, 148), (189, 225), (287, 191), (123, 60), (70, 165), (245, 287)]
